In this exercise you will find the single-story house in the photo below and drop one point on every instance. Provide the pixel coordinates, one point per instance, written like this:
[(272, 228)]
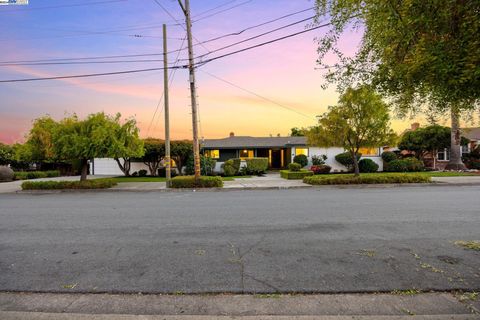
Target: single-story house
[(280, 151)]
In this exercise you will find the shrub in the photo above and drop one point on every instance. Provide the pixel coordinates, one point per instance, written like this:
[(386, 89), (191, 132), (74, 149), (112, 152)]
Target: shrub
[(346, 160), (26, 175), (405, 165), (321, 169), (203, 182), (256, 166), (389, 156), (472, 160), (58, 185), (228, 169), (301, 159), (294, 166), (367, 166), (135, 174), (207, 165), (142, 173), (295, 175), (319, 160), (373, 178)]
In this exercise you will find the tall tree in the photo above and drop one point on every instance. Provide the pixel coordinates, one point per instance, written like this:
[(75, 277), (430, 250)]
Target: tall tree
[(154, 153), (297, 132), (98, 136), (181, 151), (420, 53), (39, 144), (361, 119), (6, 154)]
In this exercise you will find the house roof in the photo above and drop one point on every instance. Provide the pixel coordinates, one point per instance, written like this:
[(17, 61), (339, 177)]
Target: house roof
[(245, 142), (471, 133)]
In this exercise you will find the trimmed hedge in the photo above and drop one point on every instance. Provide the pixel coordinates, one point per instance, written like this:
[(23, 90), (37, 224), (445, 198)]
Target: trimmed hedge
[(231, 167), (375, 178), (295, 175), (27, 175), (181, 182), (257, 165), (367, 166), (346, 160), (405, 165), (59, 185), (389, 156), (294, 166)]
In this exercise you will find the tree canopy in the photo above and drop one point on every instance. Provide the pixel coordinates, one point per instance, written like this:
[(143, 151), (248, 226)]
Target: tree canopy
[(361, 119), (154, 153)]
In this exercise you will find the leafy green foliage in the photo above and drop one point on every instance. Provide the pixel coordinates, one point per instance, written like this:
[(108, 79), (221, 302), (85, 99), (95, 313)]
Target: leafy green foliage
[(207, 165), (203, 182), (405, 165), (55, 185), (231, 167), (361, 119), (367, 166), (154, 153), (26, 175), (415, 51), (301, 159), (297, 132), (39, 144), (6, 154), (295, 175), (256, 166), (294, 166), (346, 159), (367, 178), (319, 160), (181, 151), (472, 160), (389, 156)]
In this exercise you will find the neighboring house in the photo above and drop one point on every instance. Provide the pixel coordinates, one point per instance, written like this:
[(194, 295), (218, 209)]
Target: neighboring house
[(280, 151)]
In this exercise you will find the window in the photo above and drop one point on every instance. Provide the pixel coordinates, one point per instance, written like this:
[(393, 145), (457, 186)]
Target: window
[(299, 151), (443, 155), (244, 154), (369, 152), (214, 154)]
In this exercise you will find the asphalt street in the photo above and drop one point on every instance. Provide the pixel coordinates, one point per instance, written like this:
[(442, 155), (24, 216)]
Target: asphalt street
[(309, 240)]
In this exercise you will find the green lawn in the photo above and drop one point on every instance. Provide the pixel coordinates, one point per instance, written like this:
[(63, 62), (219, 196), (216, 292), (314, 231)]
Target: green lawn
[(161, 179)]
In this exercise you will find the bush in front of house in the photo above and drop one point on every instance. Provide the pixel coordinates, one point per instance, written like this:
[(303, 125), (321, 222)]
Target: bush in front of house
[(389, 156), (372, 178), (295, 175), (405, 165), (367, 166), (59, 185), (294, 166), (27, 175), (162, 172), (301, 159), (319, 160), (182, 182), (472, 160), (346, 160), (207, 165), (142, 173), (231, 167), (256, 166), (321, 169)]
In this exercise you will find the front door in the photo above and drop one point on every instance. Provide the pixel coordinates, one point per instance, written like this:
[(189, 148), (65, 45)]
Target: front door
[(276, 159)]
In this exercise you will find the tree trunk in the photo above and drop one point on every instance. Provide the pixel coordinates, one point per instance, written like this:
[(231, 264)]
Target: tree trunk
[(125, 167), (355, 165), (83, 176), (455, 162)]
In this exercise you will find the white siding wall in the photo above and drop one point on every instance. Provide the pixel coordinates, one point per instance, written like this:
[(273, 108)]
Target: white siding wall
[(331, 153), (108, 166)]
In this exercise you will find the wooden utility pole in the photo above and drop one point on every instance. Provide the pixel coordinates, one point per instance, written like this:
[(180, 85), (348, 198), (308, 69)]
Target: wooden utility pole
[(168, 162), (193, 89)]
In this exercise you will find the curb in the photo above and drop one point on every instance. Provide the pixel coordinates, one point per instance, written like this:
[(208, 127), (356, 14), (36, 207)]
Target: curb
[(73, 316)]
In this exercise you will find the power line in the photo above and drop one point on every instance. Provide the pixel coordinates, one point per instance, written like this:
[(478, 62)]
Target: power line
[(222, 11), (77, 62), (89, 75), (257, 95), (63, 6), (159, 54), (215, 8), (263, 44), (257, 36), (173, 67)]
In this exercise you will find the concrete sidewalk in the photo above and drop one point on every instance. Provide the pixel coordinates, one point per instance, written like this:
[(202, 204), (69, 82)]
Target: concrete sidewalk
[(331, 307)]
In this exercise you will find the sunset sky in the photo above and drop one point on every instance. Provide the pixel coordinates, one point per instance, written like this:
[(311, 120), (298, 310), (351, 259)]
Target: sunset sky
[(282, 72)]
